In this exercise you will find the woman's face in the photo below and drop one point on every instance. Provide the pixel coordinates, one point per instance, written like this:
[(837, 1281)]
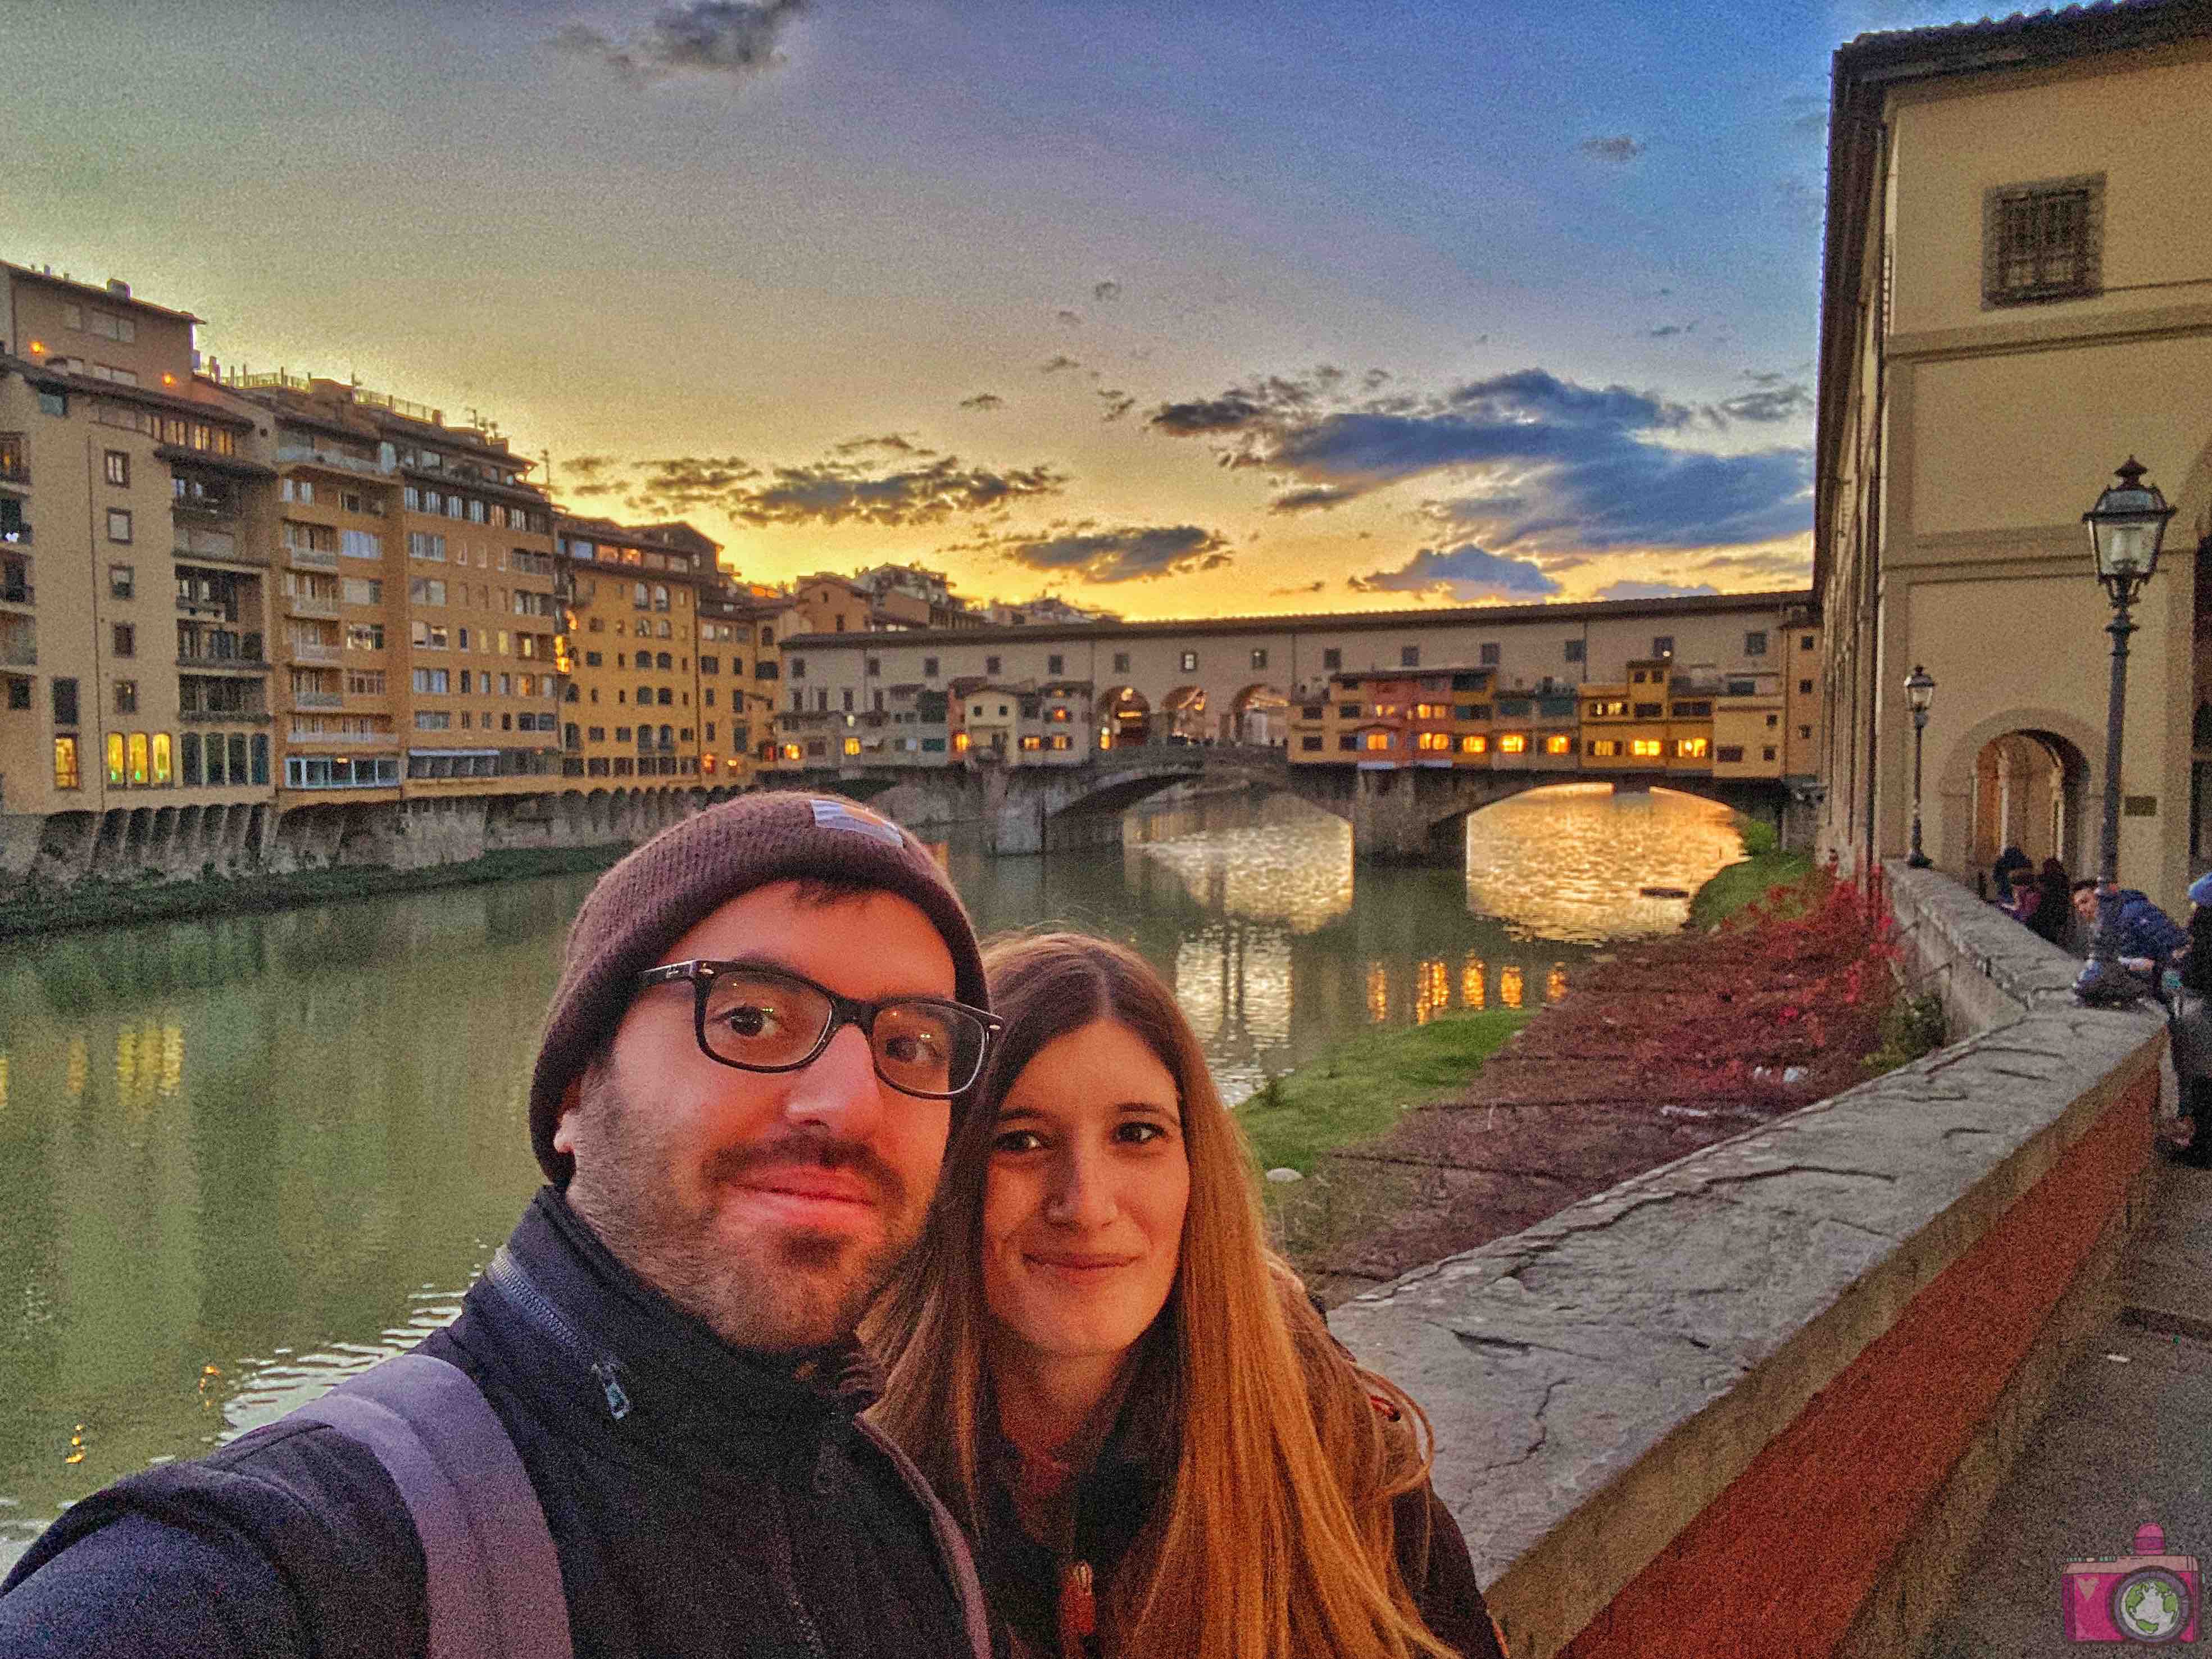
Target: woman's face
[(1084, 1202)]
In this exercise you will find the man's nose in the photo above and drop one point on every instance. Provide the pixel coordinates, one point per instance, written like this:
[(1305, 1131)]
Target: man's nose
[(840, 1089)]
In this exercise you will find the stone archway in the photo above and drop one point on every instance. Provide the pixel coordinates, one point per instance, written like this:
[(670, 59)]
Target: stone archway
[(1260, 715), (2020, 778), (1124, 716), (1183, 715)]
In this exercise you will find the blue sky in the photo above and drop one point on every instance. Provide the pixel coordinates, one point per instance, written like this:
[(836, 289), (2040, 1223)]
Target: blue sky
[(1177, 309)]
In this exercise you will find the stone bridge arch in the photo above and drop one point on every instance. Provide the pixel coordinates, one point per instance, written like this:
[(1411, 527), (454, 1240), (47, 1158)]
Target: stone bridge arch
[(1259, 716), (1182, 713), (1124, 716)]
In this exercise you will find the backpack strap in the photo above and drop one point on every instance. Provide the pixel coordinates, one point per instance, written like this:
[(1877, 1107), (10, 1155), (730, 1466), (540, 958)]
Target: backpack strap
[(490, 1570)]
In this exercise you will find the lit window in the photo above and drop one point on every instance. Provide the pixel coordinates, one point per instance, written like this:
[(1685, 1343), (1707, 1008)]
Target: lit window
[(1560, 745), (138, 761), (1647, 746), (851, 745), (1690, 748), (1605, 747), (1378, 740), (1474, 744), (65, 770), (959, 742), (114, 760), (1513, 743)]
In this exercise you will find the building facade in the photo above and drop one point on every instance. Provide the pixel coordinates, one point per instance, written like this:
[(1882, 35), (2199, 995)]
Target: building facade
[(2017, 297)]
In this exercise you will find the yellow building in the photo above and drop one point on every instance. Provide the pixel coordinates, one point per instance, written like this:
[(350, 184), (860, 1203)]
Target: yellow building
[(135, 504), (634, 689), (2015, 301)]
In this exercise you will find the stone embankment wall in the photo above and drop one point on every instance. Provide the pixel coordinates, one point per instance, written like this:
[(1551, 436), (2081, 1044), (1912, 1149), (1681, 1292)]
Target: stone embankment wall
[(1756, 1401)]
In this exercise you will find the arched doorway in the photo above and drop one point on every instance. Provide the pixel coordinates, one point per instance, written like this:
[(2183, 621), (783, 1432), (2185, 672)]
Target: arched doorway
[(2029, 787), (1125, 718), (1185, 709), (1261, 715)]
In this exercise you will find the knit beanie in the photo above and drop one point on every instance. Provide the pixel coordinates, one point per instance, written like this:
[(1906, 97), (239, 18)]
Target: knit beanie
[(661, 891)]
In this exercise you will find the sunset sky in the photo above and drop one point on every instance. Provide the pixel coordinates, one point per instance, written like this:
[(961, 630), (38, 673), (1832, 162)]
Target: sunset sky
[(1177, 309)]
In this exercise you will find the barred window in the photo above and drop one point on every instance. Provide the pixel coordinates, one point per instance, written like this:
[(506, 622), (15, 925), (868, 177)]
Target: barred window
[(2043, 241)]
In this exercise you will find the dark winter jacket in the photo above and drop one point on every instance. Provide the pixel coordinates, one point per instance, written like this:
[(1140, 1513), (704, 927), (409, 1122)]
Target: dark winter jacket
[(2142, 929), (1023, 1578), (733, 1508)]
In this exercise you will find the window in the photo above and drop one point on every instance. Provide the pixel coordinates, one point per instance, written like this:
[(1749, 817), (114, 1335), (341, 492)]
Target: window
[(433, 720), (797, 665), (115, 467), (990, 665), (1647, 747), (1768, 752), (65, 769), (65, 702), (1347, 741), (364, 636), (118, 524), (115, 759), (1377, 740), (361, 544), (421, 544), (1486, 656), (1805, 687), (163, 776), (425, 590), (661, 661), (1513, 743), (1120, 662), (1432, 740), (53, 403), (122, 580), (1804, 731), (1409, 656), (1603, 748), (1574, 649), (126, 696), (1754, 643), (929, 668), (1189, 661), (1805, 643), (1474, 743), (1032, 742), (1689, 749), (1560, 744), (1730, 754), (355, 590), (140, 764), (1663, 645), (1260, 658), (1055, 664), (2043, 241)]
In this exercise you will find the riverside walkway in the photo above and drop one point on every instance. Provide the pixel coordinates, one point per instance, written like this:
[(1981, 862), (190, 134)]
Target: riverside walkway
[(2126, 1439)]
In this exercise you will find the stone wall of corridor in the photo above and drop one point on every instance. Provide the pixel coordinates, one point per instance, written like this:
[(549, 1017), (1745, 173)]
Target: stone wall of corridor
[(1757, 1400)]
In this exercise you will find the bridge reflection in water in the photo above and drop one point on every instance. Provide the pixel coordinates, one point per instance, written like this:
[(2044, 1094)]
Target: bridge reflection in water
[(249, 1155)]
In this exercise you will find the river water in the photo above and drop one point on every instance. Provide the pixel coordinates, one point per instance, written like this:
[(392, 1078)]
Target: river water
[(245, 1157)]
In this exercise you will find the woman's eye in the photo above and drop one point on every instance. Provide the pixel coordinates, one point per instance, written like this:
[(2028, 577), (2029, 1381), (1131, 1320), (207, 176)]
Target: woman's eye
[(1141, 1133), (1017, 1140)]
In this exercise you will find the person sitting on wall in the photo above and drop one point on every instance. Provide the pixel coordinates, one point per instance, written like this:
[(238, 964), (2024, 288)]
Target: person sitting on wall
[(2192, 1028), (2144, 937), (2052, 917), (2010, 859)]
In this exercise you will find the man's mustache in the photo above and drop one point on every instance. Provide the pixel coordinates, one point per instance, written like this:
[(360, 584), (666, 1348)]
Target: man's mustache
[(811, 1152)]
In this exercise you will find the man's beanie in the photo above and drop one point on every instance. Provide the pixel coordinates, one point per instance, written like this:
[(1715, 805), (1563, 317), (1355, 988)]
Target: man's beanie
[(659, 892)]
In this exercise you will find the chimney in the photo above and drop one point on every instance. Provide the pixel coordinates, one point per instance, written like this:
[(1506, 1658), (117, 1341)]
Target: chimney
[(118, 287)]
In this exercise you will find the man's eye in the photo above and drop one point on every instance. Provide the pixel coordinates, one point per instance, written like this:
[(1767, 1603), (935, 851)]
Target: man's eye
[(750, 1020)]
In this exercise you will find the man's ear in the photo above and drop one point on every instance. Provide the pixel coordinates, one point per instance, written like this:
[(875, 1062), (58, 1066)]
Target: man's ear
[(565, 1138)]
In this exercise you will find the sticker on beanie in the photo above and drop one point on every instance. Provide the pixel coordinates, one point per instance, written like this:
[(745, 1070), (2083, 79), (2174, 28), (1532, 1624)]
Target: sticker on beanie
[(836, 815)]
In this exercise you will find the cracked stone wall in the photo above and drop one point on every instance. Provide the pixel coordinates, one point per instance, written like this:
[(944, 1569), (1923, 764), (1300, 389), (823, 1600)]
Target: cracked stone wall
[(1763, 1383)]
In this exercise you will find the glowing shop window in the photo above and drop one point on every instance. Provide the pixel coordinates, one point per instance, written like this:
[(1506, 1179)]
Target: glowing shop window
[(1604, 746), (138, 757), (1643, 745), (1690, 748), (114, 760), (1513, 743), (65, 770), (960, 742), (1378, 740), (1560, 745), (1474, 745), (851, 745), (161, 758)]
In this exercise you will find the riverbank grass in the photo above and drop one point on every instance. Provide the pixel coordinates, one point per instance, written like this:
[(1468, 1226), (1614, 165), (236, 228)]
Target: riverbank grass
[(1748, 883), (1360, 1088)]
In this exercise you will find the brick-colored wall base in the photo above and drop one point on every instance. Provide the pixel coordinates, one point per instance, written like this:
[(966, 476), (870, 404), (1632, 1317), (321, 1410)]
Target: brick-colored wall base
[(1779, 1563)]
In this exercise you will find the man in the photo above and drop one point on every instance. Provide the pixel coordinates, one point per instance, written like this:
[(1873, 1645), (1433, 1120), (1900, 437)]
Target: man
[(740, 1101), (2144, 938)]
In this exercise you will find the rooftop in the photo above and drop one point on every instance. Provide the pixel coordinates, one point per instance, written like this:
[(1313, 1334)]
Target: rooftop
[(115, 292)]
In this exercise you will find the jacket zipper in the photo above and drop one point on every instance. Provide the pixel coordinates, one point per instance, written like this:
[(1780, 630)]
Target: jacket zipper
[(506, 1275), (805, 1620)]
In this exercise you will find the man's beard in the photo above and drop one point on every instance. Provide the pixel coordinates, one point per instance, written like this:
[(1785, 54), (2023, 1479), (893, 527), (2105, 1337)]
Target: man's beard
[(771, 1291)]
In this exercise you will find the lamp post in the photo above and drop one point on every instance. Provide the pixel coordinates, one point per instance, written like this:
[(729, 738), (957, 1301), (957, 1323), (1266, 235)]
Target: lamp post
[(2126, 527), (1920, 695)]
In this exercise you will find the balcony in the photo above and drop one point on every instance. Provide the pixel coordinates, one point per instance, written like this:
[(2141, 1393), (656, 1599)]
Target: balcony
[(230, 716), (203, 509), (306, 454), (309, 651), (301, 604), (21, 650), (214, 611), (318, 700), (14, 535), (349, 739), (310, 558), (220, 650)]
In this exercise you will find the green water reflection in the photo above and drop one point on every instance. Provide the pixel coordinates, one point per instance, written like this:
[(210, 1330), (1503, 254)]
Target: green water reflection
[(248, 1156)]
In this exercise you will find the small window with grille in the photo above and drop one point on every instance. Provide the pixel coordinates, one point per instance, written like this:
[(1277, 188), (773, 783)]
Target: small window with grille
[(2043, 241)]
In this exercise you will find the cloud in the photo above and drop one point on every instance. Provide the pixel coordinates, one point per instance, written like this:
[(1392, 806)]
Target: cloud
[(885, 481), (684, 483), (1057, 364), (1073, 319), (983, 400), (1117, 402), (1668, 331), (889, 443), (736, 38), (588, 466), (1313, 498), (1107, 289), (1126, 553), (1622, 149), (1770, 403), (1316, 586), (1634, 590), (1465, 572), (1553, 467)]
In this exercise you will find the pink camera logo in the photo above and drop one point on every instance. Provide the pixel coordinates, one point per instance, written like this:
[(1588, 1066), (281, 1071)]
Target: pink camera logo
[(2149, 1597)]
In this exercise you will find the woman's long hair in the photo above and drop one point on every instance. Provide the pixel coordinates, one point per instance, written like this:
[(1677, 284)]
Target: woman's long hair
[(1272, 1534)]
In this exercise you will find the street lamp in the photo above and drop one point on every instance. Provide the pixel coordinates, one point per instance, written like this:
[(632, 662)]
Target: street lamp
[(1919, 694), (2126, 527)]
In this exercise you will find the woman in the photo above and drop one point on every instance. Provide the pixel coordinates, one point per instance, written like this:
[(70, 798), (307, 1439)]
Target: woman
[(1133, 1407), (2053, 910)]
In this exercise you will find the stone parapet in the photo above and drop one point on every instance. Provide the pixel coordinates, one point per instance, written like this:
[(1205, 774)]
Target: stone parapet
[(1747, 1400)]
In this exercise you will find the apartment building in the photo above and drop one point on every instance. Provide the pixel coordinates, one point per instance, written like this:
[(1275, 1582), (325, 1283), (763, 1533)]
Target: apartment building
[(136, 502), (740, 670), (635, 696)]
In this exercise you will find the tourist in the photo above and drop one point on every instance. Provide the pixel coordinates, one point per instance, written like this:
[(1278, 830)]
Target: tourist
[(665, 1339), (2144, 937), (2191, 1027), (2010, 859), (2053, 915), (1132, 1406)]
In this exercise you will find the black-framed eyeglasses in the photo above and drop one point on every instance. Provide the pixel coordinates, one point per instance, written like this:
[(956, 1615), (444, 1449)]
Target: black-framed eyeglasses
[(770, 1020)]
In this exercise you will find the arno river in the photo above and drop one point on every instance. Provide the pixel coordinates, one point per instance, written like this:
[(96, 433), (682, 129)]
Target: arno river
[(244, 1156)]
